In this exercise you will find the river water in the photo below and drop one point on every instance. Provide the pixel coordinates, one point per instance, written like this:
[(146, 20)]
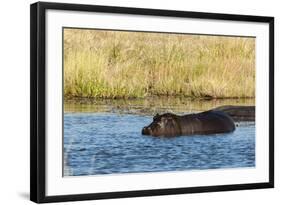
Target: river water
[(105, 138)]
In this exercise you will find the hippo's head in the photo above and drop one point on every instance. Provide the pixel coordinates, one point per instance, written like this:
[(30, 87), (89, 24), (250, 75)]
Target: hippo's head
[(163, 125)]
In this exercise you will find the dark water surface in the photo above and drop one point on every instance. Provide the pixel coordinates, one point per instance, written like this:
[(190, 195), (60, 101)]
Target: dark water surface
[(110, 142)]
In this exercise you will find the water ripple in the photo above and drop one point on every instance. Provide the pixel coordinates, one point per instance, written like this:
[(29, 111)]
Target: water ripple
[(106, 143)]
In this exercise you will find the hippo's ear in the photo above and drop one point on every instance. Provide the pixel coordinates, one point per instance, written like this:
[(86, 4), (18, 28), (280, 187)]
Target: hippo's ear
[(157, 115)]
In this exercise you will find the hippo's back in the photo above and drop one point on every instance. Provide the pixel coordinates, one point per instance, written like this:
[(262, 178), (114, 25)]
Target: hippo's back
[(211, 122)]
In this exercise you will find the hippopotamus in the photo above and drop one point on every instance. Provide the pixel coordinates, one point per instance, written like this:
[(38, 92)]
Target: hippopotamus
[(204, 123), (238, 113)]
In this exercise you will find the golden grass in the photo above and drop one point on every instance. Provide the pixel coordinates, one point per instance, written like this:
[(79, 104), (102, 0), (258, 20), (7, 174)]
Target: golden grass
[(114, 64)]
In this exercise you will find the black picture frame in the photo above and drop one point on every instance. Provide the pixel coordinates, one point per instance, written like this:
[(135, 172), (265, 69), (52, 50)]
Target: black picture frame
[(38, 101)]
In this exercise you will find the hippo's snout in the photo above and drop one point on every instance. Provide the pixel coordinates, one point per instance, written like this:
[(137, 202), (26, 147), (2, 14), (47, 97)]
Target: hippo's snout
[(146, 131)]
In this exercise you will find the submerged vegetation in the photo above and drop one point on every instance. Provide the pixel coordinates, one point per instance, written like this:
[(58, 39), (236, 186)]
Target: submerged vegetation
[(114, 64)]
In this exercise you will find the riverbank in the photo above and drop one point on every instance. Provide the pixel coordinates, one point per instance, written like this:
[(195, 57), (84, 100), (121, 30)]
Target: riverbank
[(149, 106)]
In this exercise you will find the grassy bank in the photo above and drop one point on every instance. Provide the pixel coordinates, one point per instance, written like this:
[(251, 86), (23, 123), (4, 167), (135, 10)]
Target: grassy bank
[(107, 64)]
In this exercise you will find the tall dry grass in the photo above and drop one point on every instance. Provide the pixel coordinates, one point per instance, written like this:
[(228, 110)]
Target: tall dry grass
[(114, 64)]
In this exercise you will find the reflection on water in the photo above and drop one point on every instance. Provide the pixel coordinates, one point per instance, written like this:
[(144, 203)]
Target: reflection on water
[(104, 137)]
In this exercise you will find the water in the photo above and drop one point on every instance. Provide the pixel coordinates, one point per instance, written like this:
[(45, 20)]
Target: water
[(112, 143)]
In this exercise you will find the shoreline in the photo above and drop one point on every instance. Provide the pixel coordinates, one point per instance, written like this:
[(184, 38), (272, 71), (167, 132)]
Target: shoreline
[(151, 105), (89, 100)]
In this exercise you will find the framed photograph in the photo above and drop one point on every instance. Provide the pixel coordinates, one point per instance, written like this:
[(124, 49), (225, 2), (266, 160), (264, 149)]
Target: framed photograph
[(129, 102)]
